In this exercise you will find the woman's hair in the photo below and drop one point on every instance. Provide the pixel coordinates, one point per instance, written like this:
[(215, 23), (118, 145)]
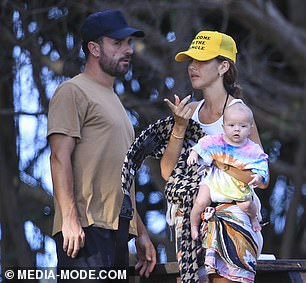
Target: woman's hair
[(229, 78)]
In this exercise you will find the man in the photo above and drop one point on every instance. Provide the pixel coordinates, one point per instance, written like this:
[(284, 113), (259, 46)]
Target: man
[(89, 134)]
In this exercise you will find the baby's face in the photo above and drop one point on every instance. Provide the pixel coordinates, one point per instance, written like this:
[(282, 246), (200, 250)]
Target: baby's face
[(237, 127)]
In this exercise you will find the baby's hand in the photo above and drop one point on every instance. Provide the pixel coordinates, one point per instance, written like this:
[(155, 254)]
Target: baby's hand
[(192, 158), (257, 179)]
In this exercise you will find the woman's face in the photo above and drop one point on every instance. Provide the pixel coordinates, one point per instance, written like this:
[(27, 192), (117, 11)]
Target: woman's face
[(204, 74)]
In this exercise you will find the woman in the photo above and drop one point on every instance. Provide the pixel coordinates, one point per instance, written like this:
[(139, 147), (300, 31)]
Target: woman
[(212, 69)]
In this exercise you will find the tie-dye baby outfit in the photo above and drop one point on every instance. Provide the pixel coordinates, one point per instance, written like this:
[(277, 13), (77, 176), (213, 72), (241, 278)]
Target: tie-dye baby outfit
[(249, 156)]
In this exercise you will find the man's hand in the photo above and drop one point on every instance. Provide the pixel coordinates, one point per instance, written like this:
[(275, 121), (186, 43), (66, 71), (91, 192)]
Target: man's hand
[(73, 237), (146, 255)]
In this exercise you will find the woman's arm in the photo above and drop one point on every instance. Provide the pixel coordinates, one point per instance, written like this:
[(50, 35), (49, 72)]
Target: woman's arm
[(254, 136), (182, 112)]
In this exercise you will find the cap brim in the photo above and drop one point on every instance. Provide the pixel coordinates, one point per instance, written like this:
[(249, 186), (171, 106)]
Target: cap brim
[(194, 54), (126, 32)]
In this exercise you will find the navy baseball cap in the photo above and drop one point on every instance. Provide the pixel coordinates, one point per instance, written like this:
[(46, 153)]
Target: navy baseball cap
[(110, 23)]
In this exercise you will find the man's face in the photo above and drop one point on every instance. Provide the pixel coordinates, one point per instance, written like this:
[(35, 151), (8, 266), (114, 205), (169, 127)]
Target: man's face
[(115, 55)]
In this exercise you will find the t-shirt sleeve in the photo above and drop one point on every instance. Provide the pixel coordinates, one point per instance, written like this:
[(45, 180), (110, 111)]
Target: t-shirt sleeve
[(261, 167), (67, 111), (203, 149), (258, 161)]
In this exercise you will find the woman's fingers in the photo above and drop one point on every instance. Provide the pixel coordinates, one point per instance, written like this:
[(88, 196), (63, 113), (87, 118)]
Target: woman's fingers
[(186, 113), (178, 104), (180, 109), (185, 100), (170, 105)]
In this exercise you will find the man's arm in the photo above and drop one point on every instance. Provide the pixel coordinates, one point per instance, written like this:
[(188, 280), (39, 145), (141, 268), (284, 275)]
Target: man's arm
[(146, 252), (62, 147)]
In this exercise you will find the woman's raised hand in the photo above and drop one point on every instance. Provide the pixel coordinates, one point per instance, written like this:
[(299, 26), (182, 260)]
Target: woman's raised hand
[(180, 109)]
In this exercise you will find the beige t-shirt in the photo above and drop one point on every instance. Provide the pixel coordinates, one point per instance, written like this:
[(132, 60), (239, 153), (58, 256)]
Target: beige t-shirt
[(84, 109)]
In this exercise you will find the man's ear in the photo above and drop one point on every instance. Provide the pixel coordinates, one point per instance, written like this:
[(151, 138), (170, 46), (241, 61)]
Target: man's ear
[(94, 48)]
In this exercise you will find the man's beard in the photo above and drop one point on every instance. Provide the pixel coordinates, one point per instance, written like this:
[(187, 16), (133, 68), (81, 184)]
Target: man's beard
[(111, 67)]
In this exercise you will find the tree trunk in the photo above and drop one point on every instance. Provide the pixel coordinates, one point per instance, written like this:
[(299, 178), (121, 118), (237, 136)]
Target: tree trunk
[(15, 250), (287, 249), (296, 10)]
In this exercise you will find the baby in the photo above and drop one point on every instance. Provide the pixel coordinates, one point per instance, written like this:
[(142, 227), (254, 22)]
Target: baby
[(235, 149)]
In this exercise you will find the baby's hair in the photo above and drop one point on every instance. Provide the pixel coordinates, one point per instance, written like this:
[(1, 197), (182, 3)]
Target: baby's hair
[(242, 108)]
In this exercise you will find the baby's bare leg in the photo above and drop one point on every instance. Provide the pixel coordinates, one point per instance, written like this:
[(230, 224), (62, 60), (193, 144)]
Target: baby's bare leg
[(202, 201), (250, 209)]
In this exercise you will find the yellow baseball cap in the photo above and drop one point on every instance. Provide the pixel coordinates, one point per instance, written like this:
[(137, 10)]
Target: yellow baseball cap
[(207, 45)]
